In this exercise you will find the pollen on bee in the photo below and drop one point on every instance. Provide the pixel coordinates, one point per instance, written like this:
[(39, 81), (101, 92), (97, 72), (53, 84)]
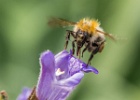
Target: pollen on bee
[(88, 25)]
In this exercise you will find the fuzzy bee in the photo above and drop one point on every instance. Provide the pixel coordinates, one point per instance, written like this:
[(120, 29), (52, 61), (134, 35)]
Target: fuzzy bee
[(87, 33)]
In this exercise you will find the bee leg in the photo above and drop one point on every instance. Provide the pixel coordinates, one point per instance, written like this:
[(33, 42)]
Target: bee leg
[(92, 55), (78, 51), (90, 63), (67, 39), (73, 46), (85, 48), (71, 32)]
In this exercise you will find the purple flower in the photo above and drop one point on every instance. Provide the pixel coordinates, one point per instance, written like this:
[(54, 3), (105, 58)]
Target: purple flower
[(25, 94), (59, 75)]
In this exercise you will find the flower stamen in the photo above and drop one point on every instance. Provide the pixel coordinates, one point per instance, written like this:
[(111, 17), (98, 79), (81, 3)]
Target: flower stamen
[(59, 72)]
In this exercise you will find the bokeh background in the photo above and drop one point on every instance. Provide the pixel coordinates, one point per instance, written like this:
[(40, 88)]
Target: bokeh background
[(24, 34)]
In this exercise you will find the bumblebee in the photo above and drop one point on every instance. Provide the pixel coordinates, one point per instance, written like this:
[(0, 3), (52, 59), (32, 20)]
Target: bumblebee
[(87, 33)]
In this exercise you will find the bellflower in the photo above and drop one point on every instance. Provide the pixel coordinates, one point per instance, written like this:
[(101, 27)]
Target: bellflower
[(25, 94), (59, 75)]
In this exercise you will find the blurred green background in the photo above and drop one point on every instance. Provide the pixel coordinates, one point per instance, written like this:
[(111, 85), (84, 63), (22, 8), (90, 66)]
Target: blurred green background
[(24, 34)]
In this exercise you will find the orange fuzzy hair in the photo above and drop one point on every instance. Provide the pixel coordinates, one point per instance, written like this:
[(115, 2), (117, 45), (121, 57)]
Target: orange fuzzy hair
[(88, 25)]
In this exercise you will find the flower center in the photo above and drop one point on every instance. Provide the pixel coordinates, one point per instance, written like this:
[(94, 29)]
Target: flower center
[(59, 72)]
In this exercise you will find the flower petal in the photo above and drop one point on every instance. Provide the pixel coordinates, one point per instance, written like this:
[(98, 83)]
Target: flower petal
[(88, 69), (75, 65), (46, 77), (25, 94), (72, 81), (60, 93), (62, 61)]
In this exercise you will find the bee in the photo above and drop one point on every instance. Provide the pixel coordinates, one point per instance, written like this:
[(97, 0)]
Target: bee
[(86, 32)]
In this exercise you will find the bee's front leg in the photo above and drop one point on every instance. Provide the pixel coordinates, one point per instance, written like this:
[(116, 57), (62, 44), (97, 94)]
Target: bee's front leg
[(68, 37)]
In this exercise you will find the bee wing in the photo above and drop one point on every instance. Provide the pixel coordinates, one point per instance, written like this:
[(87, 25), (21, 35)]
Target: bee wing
[(60, 22), (108, 35)]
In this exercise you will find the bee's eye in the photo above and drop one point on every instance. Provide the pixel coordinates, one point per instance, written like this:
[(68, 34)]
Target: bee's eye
[(94, 44)]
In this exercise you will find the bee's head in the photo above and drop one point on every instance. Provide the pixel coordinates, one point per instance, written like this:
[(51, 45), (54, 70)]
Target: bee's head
[(81, 37)]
